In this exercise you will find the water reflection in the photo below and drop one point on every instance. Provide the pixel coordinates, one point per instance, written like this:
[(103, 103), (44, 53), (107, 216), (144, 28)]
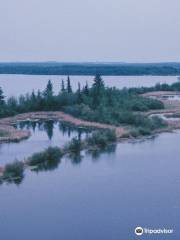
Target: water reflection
[(95, 153), (49, 126), (46, 166), (17, 181), (43, 135), (46, 134), (75, 157)]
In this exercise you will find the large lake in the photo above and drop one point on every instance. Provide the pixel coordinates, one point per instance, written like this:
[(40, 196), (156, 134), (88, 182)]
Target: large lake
[(98, 197)]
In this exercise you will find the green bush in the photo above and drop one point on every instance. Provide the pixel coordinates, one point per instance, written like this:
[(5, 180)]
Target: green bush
[(50, 155), (135, 133), (102, 138), (157, 122), (14, 170), (144, 131)]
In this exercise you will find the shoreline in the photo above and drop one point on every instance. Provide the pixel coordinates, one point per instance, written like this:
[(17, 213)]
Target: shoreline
[(7, 124), (122, 133), (13, 134)]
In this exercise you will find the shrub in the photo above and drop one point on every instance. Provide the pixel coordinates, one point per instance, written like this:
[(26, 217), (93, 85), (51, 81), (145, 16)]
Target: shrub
[(157, 122), (135, 133), (14, 171), (144, 131), (102, 138), (50, 155)]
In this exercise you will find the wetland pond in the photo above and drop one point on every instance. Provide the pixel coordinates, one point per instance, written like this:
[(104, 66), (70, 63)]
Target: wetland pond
[(43, 135)]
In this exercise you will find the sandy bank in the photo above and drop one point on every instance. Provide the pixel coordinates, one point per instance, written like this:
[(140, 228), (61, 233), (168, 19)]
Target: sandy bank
[(12, 134)]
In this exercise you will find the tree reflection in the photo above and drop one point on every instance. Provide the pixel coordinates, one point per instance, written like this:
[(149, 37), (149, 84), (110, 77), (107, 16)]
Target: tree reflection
[(47, 166), (48, 127), (96, 152), (76, 158), (50, 159), (13, 173)]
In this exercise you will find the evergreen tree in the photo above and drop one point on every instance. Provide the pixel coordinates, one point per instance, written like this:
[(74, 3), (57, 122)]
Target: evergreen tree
[(98, 83), (48, 93), (39, 100), (62, 86), (79, 94), (97, 90), (38, 94), (33, 96), (32, 103), (1, 96), (86, 89), (69, 88)]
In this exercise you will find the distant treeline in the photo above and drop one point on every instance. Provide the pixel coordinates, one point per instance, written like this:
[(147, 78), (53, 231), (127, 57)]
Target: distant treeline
[(106, 69)]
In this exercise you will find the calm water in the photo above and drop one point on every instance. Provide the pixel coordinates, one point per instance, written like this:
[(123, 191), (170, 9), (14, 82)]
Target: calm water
[(21, 84), (43, 135), (97, 197)]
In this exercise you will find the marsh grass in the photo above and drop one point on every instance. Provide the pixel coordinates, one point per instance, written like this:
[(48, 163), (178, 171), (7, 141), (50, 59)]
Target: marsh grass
[(50, 154), (14, 172)]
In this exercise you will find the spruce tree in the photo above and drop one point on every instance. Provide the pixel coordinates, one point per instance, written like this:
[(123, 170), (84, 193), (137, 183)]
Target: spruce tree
[(1, 96), (98, 83), (32, 104), (79, 94), (69, 88), (62, 86), (86, 89), (48, 93), (33, 96), (97, 90)]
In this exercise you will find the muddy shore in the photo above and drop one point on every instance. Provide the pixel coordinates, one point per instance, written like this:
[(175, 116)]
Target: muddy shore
[(13, 134), (7, 124)]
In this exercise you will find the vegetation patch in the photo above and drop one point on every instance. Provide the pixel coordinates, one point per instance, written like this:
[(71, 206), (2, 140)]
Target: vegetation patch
[(46, 160), (13, 172), (101, 138), (174, 87)]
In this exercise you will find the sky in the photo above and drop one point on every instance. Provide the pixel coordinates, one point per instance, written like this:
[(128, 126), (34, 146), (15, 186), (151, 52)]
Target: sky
[(90, 30)]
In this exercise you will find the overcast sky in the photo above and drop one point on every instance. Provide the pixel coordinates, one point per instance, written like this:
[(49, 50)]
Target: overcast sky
[(90, 30)]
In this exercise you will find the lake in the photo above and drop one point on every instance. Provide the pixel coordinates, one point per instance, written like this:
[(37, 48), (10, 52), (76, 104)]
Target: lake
[(101, 196)]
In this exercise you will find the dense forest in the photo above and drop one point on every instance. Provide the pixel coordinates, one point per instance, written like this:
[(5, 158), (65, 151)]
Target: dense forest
[(106, 69), (97, 103)]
